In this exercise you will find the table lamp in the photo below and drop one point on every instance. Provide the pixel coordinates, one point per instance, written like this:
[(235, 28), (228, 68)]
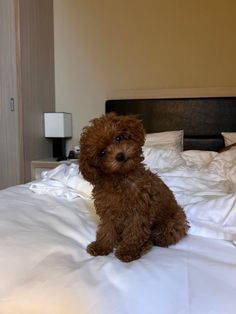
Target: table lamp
[(58, 127)]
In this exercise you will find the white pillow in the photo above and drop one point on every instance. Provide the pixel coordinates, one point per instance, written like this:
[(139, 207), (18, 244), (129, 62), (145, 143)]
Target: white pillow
[(166, 140), (199, 158), (229, 138), (161, 159), (224, 164)]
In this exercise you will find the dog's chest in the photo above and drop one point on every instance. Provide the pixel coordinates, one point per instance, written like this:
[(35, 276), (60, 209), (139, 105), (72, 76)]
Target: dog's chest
[(116, 197), (117, 189)]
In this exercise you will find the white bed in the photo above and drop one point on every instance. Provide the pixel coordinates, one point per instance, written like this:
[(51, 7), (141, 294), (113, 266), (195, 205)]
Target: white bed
[(46, 225)]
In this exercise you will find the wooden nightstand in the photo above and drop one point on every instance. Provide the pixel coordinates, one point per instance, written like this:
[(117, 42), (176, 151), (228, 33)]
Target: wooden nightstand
[(38, 166)]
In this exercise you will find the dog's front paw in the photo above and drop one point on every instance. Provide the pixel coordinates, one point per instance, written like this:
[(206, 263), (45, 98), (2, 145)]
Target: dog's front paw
[(92, 249), (95, 249), (126, 255)]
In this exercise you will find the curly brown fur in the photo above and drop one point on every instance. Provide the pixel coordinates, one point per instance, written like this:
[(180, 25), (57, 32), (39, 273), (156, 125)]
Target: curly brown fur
[(136, 209)]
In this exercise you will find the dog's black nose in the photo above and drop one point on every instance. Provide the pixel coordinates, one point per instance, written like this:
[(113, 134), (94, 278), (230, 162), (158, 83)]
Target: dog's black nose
[(120, 157)]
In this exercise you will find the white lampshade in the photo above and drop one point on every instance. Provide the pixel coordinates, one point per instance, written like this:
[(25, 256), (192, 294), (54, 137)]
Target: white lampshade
[(57, 124)]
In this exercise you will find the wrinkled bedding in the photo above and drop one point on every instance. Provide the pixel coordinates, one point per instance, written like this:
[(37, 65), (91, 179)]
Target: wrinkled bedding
[(46, 225)]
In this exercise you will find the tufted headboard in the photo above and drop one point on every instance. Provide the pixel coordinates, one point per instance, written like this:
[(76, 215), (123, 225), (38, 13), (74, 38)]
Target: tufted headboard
[(202, 119)]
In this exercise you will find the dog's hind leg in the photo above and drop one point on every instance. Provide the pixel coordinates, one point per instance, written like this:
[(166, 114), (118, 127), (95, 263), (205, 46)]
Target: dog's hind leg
[(169, 232)]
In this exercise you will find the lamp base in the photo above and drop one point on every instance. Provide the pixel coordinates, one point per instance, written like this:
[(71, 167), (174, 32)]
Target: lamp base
[(59, 148)]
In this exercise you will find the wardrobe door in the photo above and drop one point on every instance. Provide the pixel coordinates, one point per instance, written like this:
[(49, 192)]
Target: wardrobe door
[(37, 77), (9, 119)]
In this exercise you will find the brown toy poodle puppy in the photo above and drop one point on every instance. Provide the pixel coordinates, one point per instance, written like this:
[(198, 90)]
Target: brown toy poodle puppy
[(136, 209)]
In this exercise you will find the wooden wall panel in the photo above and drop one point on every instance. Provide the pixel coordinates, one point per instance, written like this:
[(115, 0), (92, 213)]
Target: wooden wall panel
[(9, 132), (27, 75), (37, 71)]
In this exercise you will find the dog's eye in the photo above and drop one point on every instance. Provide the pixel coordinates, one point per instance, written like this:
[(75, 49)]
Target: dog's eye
[(102, 153), (119, 138)]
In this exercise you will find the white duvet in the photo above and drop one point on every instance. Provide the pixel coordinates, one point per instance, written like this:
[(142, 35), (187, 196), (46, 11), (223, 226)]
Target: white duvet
[(46, 225)]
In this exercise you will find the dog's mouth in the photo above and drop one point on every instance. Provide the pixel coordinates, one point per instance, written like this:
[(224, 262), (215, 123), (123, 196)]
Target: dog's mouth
[(121, 157), (124, 165), (120, 161)]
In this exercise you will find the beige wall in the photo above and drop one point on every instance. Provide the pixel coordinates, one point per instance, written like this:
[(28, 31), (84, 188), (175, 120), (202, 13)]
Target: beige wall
[(104, 46)]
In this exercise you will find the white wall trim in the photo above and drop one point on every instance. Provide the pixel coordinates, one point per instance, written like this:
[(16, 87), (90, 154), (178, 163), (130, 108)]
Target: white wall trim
[(173, 93)]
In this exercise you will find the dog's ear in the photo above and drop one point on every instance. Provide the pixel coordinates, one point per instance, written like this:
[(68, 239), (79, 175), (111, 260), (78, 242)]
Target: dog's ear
[(134, 127), (88, 171), (85, 159)]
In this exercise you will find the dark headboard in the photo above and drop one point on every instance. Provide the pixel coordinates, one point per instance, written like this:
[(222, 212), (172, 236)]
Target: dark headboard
[(202, 119)]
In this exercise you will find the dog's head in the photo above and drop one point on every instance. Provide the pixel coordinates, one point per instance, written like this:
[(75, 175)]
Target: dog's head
[(111, 144)]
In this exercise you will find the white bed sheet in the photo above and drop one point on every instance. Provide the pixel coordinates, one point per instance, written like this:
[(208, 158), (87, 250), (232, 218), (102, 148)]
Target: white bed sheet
[(44, 267)]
